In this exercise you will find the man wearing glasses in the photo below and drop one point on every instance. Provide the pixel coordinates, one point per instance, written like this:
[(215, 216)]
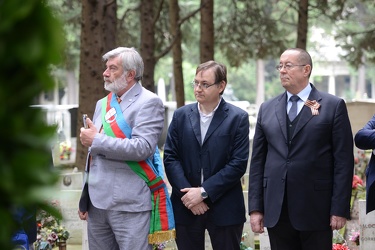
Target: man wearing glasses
[(205, 156), (302, 163)]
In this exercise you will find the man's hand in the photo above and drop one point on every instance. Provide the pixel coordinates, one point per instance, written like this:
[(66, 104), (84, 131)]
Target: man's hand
[(256, 222), (192, 197), (87, 135), (337, 222), (200, 208), (82, 215)]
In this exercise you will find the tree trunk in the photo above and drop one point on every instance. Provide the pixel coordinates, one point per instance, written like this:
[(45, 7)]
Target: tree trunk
[(174, 16), (302, 28), (148, 43), (207, 31), (98, 36)]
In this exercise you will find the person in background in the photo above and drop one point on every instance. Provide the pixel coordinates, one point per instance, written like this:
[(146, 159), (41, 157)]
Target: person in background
[(302, 162), (365, 139), (26, 235), (205, 155), (122, 138)]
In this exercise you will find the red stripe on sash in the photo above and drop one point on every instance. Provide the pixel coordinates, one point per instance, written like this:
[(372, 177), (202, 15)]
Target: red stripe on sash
[(117, 130), (109, 102), (148, 170), (163, 210)]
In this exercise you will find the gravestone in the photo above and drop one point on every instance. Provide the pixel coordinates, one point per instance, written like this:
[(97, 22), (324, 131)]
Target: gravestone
[(367, 227), (264, 241), (70, 187), (85, 241)]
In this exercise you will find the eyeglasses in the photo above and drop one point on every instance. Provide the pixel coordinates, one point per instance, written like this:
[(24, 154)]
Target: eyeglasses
[(288, 66), (202, 85)]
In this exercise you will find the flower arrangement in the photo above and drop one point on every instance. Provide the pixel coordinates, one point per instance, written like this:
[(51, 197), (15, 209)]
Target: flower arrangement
[(336, 246), (65, 150), (50, 231), (159, 246), (339, 243), (358, 189), (243, 246), (361, 159), (354, 237)]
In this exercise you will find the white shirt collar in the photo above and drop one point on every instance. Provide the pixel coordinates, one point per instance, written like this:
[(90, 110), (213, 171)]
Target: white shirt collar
[(303, 95), (210, 114)]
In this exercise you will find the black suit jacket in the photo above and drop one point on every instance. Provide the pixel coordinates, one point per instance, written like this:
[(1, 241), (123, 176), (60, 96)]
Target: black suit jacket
[(365, 139), (317, 166), (222, 157)]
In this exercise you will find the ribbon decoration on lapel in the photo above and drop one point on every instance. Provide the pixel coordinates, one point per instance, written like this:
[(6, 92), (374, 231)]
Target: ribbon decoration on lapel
[(314, 106), (162, 226)]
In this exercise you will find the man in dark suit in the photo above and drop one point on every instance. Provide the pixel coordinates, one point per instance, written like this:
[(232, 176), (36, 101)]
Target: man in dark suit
[(205, 156), (365, 139), (302, 163)]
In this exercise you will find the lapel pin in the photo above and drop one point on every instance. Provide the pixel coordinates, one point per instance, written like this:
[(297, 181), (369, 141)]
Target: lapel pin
[(314, 106)]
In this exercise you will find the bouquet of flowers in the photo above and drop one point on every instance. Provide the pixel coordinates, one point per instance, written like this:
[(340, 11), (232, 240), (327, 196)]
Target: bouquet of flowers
[(50, 230), (336, 246), (339, 242), (354, 237)]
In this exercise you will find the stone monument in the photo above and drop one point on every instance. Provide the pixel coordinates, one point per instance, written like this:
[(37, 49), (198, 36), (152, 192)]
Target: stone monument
[(367, 227), (70, 187)]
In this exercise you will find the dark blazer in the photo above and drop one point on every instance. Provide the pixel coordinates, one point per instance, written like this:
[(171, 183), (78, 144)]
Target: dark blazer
[(365, 139), (223, 157), (317, 167)]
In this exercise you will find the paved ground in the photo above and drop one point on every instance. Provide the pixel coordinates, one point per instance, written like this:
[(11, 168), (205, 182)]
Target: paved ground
[(170, 246)]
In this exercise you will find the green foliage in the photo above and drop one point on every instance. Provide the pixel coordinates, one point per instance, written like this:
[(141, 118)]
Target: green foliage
[(357, 36), (29, 42), (69, 12), (253, 30)]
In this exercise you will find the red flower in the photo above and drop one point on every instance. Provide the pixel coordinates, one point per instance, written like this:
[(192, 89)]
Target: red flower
[(356, 160), (356, 180), (339, 247)]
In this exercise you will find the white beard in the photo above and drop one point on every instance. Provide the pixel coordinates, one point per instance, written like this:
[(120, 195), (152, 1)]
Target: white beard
[(117, 85)]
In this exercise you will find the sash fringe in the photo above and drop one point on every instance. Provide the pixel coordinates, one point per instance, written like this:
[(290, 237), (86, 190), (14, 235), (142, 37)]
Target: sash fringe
[(161, 236)]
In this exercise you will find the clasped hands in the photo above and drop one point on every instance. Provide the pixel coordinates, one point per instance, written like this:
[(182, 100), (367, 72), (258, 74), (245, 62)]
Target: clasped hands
[(193, 200), (256, 222)]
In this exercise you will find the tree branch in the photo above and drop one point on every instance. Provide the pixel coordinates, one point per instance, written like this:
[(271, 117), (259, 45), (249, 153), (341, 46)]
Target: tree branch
[(109, 2), (136, 8), (158, 11)]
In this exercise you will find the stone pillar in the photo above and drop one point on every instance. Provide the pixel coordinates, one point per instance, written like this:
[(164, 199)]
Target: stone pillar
[(332, 84)]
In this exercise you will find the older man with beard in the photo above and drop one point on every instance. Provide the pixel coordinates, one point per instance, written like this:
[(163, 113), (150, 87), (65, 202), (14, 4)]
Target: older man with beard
[(124, 131)]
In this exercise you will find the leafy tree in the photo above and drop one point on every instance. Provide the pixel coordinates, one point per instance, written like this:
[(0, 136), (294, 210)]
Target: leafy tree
[(30, 41), (356, 32), (250, 29)]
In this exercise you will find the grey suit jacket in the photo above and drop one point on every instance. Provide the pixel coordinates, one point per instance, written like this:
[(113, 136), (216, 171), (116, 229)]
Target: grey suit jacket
[(112, 184)]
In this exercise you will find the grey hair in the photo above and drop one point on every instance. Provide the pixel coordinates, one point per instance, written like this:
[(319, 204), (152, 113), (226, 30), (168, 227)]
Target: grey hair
[(131, 60)]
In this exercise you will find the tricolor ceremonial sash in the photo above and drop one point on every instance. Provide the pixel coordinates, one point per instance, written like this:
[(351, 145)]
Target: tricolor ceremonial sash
[(162, 220)]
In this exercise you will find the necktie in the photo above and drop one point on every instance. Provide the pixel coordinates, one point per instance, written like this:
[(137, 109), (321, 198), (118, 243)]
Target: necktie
[(293, 110)]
